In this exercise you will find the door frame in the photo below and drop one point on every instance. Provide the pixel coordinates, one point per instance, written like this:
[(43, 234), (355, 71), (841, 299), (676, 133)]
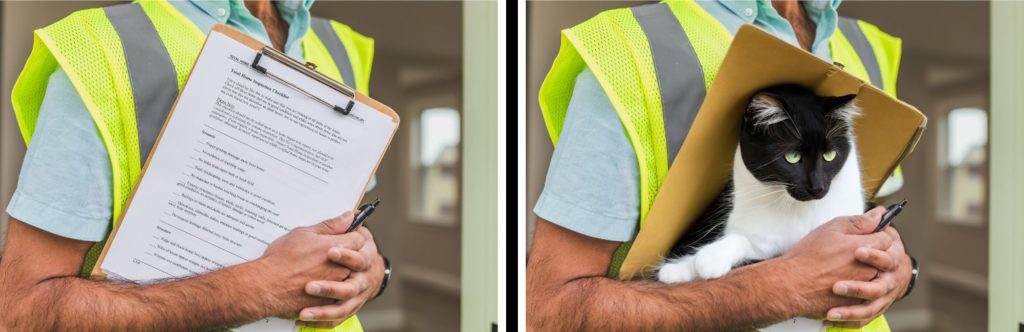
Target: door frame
[(1006, 164), (480, 166)]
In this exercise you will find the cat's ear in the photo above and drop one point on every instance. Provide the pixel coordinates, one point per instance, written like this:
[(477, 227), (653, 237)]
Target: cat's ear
[(843, 107), (765, 109)]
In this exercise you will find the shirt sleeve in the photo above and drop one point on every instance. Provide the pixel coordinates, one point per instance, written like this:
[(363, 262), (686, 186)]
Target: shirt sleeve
[(65, 185), (592, 185)]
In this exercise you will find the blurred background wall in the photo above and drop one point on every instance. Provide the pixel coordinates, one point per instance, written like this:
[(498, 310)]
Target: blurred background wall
[(418, 71), (945, 73)]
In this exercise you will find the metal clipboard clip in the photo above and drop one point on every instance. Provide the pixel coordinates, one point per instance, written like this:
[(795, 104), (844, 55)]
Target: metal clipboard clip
[(309, 70)]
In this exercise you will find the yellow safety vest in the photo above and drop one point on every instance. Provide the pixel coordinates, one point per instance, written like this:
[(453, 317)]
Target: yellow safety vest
[(128, 62), (655, 63)]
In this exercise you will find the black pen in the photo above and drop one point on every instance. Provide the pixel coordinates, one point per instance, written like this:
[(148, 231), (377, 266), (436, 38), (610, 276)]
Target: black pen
[(364, 211), (890, 214)]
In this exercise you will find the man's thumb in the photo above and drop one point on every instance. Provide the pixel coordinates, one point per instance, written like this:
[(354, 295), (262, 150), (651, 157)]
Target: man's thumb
[(336, 225), (866, 223)]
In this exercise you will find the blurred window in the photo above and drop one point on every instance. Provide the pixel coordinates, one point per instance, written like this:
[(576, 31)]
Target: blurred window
[(437, 159), (965, 160)]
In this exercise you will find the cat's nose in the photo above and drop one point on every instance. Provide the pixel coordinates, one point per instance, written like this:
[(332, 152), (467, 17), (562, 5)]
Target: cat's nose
[(816, 186), (816, 190)]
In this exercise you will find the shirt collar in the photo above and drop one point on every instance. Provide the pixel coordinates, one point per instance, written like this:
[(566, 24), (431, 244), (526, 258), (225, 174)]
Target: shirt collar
[(211, 8), (817, 8), (220, 10), (290, 8), (745, 9), (748, 9)]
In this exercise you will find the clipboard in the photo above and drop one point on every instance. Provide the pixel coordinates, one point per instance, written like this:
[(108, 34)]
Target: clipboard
[(262, 50)]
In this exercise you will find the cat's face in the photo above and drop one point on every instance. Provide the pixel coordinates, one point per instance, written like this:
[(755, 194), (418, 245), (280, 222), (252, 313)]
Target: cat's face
[(793, 137)]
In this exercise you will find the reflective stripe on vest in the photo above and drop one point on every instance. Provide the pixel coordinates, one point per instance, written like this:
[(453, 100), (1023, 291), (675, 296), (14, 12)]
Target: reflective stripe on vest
[(680, 76), (153, 79), (335, 48), (851, 29)]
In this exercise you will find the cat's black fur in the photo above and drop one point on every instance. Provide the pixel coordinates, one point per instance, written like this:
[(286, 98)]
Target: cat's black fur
[(707, 228), (812, 127)]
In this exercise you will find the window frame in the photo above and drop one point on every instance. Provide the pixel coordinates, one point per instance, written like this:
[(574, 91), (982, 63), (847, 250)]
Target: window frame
[(967, 98), (416, 106)]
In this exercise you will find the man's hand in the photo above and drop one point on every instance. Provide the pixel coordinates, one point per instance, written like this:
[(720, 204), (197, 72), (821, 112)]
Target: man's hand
[(302, 255), (367, 268), (878, 294), (826, 256)]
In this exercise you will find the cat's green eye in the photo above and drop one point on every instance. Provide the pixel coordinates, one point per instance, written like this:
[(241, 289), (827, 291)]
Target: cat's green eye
[(793, 157), (830, 155)]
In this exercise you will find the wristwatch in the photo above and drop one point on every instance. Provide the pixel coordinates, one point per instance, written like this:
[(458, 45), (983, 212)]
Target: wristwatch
[(913, 276), (387, 276)]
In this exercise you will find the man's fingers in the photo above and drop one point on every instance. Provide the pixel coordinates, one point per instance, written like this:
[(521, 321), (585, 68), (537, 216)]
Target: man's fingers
[(336, 312), (858, 312), (881, 260), (365, 232), (894, 234), (349, 258), (867, 290), (337, 225), (865, 223), (338, 290), (338, 273), (351, 240), (881, 241)]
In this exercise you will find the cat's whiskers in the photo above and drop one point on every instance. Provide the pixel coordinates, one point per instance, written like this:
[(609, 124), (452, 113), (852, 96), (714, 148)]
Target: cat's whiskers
[(781, 198), (754, 194), (761, 195), (769, 162)]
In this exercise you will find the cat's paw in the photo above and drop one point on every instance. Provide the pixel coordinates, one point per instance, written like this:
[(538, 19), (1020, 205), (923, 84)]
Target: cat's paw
[(712, 264), (677, 271)]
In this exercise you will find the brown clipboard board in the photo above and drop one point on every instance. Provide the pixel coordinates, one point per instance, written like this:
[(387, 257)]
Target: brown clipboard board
[(886, 133), (255, 45)]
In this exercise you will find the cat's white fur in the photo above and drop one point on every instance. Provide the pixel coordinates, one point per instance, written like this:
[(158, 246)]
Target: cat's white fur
[(766, 111), (766, 221)]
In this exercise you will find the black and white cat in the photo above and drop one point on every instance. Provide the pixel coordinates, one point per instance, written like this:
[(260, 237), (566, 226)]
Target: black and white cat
[(795, 168)]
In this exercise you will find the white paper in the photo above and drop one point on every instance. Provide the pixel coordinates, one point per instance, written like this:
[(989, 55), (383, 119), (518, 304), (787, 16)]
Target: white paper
[(243, 160)]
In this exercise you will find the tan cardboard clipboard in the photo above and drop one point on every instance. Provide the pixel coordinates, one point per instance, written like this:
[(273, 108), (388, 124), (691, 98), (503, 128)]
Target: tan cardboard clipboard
[(255, 45), (886, 133)]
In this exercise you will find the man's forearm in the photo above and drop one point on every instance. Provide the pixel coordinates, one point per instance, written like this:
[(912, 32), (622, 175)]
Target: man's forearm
[(746, 297), (221, 298)]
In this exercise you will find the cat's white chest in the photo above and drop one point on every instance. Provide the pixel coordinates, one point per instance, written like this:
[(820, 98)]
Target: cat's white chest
[(772, 230)]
